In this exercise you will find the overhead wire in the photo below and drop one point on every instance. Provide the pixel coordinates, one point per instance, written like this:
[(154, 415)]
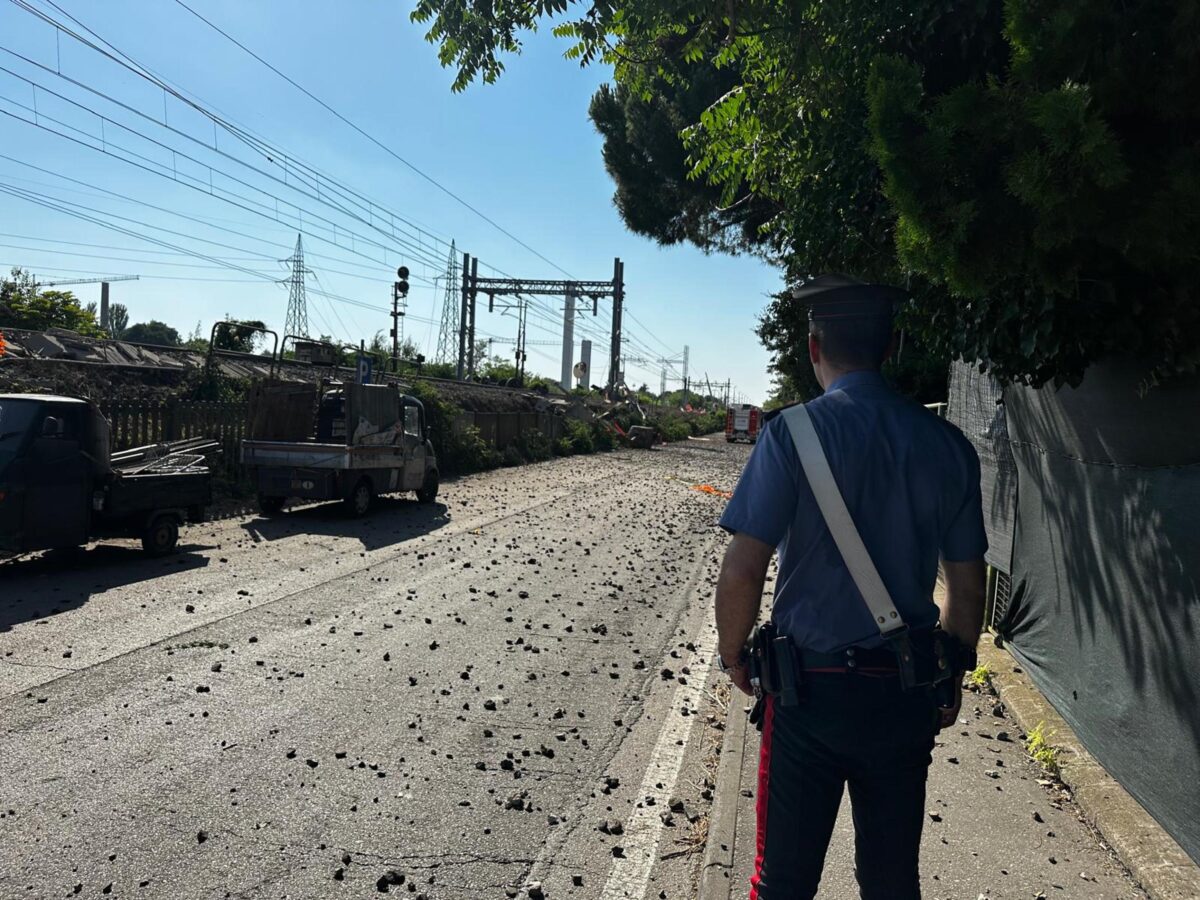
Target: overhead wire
[(313, 194), (373, 139), (197, 219), (270, 152), (213, 190)]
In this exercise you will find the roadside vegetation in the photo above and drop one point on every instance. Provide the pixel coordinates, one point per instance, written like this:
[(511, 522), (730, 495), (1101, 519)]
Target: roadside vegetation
[(460, 447), (1041, 751), (980, 677), (461, 450)]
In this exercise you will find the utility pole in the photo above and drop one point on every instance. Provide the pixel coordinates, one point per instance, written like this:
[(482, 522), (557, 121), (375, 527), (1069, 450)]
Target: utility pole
[(614, 349), (399, 303), (104, 323), (585, 356), (522, 307), (523, 288), (473, 297), (568, 347), (459, 371), (685, 374)]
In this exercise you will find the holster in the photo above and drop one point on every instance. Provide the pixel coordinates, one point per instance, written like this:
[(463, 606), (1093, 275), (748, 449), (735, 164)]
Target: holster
[(773, 665), (928, 659)]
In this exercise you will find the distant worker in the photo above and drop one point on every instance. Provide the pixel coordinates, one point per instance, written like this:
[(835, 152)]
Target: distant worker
[(862, 491)]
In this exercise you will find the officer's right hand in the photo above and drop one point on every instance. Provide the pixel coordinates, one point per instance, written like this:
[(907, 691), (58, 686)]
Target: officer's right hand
[(740, 677)]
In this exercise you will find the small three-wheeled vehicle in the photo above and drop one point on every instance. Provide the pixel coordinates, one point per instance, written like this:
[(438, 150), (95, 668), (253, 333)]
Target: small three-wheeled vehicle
[(59, 487)]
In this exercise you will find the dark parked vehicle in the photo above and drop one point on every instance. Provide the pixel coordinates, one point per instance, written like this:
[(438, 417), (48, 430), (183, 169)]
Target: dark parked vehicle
[(60, 486)]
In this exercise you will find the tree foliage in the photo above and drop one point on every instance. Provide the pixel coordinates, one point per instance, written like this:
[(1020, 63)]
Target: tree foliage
[(1028, 168), (239, 336), (118, 319), (24, 305), (153, 332), (1058, 200), (644, 153)]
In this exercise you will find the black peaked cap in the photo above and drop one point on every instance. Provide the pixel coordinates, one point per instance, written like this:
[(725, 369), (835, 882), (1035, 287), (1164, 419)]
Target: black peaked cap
[(842, 297)]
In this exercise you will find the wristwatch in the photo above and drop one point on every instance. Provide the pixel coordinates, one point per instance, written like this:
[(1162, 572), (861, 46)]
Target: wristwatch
[(741, 661)]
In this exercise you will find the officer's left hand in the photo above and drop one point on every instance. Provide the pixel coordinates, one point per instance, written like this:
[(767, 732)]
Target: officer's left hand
[(949, 713)]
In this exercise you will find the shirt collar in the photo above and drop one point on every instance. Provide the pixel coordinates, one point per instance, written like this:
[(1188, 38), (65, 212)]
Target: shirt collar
[(860, 378)]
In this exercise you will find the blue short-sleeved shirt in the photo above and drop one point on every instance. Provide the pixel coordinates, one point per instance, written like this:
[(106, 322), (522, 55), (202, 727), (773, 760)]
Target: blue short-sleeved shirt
[(911, 483)]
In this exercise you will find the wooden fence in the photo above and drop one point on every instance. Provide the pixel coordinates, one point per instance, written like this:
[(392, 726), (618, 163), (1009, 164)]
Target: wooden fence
[(138, 424), (502, 429)]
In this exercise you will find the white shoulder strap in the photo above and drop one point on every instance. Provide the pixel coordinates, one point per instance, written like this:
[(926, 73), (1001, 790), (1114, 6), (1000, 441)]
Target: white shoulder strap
[(837, 518)]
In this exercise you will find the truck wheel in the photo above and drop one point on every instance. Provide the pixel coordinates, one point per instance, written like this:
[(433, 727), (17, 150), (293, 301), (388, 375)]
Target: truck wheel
[(161, 535), (269, 505), (359, 502), (429, 490)]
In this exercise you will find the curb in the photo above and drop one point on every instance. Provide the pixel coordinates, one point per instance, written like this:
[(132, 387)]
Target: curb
[(717, 869), (1152, 856)]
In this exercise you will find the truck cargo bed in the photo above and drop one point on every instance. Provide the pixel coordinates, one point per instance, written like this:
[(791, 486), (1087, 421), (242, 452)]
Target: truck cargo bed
[(130, 495), (321, 456)]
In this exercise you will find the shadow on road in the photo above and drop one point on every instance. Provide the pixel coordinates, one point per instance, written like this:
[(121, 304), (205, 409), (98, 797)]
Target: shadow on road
[(392, 520), (35, 587)]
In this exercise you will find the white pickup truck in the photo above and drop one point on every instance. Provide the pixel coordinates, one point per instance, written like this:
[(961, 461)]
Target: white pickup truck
[(358, 441)]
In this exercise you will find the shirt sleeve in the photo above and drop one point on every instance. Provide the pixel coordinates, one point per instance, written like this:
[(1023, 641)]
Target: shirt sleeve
[(764, 502), (964, 537)]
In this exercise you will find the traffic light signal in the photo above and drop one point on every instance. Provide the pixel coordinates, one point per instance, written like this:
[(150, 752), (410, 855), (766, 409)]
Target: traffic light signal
[(402, 281)]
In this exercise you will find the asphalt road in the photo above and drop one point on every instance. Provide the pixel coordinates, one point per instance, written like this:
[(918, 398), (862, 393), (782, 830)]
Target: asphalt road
[(456, 701)]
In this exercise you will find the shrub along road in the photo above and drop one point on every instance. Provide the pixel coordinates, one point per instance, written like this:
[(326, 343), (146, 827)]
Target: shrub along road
[(454, 696)]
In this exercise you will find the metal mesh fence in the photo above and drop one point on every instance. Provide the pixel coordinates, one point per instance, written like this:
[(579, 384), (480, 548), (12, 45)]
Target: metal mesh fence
[(976, 407)]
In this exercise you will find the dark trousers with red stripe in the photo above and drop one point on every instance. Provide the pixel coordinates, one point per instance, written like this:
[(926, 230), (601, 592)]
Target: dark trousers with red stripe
[(851, 729)]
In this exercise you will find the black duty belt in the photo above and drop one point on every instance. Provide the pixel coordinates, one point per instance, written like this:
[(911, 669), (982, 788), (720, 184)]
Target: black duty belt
[(926, 658), (862, 659)]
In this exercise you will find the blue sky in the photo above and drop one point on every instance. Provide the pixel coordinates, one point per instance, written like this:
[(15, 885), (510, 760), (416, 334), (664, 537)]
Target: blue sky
[(522, 151)]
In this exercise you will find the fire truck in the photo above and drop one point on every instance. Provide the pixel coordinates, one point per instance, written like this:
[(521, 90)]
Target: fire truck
[(742, 423)]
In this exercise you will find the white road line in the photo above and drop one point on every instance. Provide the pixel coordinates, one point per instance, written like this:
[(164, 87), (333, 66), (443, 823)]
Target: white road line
[(629, 876)]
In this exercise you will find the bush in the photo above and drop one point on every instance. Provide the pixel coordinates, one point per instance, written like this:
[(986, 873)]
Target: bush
[(534, 446), (464, 451), (603, 437), (580, 436), (563, 447), (512, 456)]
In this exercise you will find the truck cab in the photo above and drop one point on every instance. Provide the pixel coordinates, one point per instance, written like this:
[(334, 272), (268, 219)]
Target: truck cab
[(48, 466)]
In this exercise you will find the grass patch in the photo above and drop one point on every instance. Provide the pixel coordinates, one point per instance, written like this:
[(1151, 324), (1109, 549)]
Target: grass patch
[(1043, 753), (980, 676)]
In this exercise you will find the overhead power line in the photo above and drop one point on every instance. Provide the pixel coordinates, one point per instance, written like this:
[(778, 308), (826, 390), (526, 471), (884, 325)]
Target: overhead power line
[(210, 188), (378, 143), (202, 221), (288, 163)]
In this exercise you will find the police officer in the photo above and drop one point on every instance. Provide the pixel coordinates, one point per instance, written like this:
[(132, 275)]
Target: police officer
[(910, 481)]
